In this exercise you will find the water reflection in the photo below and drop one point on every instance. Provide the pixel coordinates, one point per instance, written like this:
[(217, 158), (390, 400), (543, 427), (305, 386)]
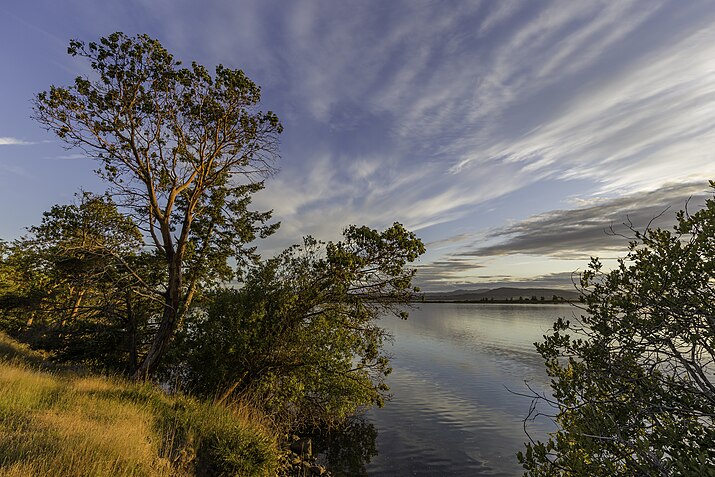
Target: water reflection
[(452, 411), (347, 451)]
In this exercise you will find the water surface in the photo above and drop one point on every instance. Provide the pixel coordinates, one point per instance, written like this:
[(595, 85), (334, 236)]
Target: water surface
[(455, 370)]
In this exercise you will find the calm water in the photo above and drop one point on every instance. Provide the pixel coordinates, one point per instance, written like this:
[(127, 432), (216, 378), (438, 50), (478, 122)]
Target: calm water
[(452, 412)]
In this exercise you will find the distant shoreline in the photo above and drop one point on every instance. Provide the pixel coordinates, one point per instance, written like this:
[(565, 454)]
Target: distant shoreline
[(500, 302), (502, 295)]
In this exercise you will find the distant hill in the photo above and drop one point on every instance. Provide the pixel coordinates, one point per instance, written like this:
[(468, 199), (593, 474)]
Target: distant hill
[(502, 294)]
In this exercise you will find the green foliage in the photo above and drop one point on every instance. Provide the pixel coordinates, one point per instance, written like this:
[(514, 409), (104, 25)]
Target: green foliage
[(634, 379), (301, 336), (183, 151), (75, 285)]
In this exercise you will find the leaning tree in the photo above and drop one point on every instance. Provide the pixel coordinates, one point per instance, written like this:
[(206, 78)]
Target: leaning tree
[(302, 336), (183, 151)]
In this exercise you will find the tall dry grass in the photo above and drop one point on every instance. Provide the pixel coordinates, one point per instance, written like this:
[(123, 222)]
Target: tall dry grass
[(57, 423)]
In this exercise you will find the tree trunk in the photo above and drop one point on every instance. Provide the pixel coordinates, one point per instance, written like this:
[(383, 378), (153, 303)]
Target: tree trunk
[(169, 318), (133, 339), (75, 307)]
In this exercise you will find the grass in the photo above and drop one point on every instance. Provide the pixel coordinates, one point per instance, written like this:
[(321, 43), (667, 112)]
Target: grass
[(56, 422)]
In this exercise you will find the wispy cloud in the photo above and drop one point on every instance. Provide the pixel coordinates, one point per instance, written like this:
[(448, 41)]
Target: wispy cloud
[(434, 283), (562, 239), (12, 141), (457, 107), (468, 103), (603, 227), (446, 272), (12, 172), (70, 157), (646, 124)]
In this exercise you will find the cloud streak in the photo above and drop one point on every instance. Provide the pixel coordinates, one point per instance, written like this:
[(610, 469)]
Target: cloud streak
[(642, 125), (12, 141), (603, 227), (436, 111), (600, 227)]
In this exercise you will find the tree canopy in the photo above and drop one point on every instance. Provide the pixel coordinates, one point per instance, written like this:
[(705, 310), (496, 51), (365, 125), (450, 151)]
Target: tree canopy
[(76, 285), (633, 379), (302, 335), (182, 150)]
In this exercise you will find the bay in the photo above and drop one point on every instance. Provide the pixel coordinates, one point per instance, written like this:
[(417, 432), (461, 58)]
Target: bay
[(455, 411)]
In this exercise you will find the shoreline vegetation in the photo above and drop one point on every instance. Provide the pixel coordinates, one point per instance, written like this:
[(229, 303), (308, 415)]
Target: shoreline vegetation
[(501, 302), (65, 421)]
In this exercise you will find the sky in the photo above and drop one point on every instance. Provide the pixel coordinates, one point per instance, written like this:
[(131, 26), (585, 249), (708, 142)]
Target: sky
[(515, 138)]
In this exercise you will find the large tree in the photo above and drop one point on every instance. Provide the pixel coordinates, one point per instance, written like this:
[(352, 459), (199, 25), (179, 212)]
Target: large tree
[(634, 377), (182, 149)]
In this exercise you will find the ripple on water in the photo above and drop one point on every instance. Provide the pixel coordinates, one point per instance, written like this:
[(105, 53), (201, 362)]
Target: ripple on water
[(451, 413)]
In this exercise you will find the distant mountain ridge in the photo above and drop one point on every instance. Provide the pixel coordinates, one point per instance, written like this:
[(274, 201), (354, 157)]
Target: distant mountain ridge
[(503, 294)]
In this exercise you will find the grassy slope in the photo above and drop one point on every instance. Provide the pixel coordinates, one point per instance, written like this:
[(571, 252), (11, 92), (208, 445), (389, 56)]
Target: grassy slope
[(59, 423)]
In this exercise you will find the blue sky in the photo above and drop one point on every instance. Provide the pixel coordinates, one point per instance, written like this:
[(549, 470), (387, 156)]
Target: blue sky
[(509, 135)]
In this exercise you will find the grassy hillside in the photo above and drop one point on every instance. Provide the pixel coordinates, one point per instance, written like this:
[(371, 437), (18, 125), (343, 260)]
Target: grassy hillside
[(57, 422)]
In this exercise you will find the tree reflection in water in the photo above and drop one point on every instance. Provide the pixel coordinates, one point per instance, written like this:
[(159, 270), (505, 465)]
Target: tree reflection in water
[(346, 451)]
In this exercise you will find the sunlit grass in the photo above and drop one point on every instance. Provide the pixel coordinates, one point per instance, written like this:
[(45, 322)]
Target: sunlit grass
[(57, 423)]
